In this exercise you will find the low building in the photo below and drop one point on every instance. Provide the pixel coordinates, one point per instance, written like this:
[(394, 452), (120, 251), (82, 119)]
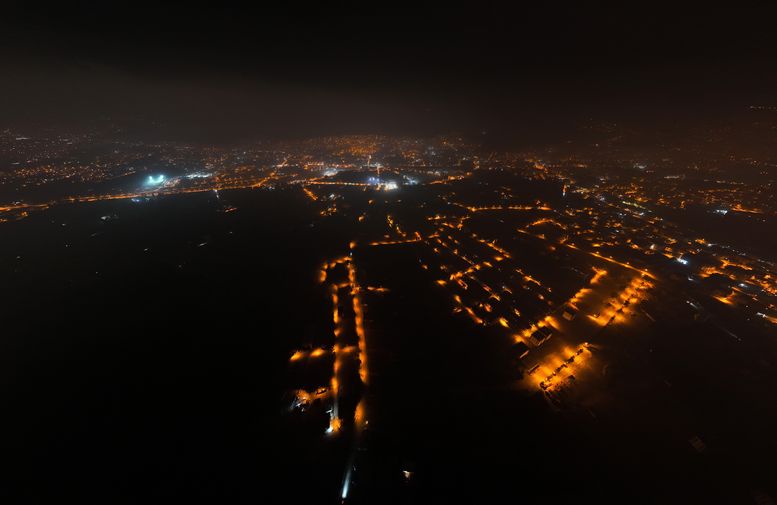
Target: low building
[(569, 313), (540, 335)]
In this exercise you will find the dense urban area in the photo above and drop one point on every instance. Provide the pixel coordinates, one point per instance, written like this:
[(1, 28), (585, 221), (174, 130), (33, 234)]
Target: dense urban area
[(592, 307)]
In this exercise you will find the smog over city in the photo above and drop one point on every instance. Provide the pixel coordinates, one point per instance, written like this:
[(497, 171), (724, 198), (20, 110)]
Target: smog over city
[(354, 254)]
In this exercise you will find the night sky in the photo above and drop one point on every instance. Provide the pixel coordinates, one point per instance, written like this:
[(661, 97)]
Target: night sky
[(245, 72)]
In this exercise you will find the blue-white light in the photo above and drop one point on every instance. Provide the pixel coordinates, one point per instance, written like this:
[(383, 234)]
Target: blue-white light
[(346, 484), (155, 181), (197, 175)]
